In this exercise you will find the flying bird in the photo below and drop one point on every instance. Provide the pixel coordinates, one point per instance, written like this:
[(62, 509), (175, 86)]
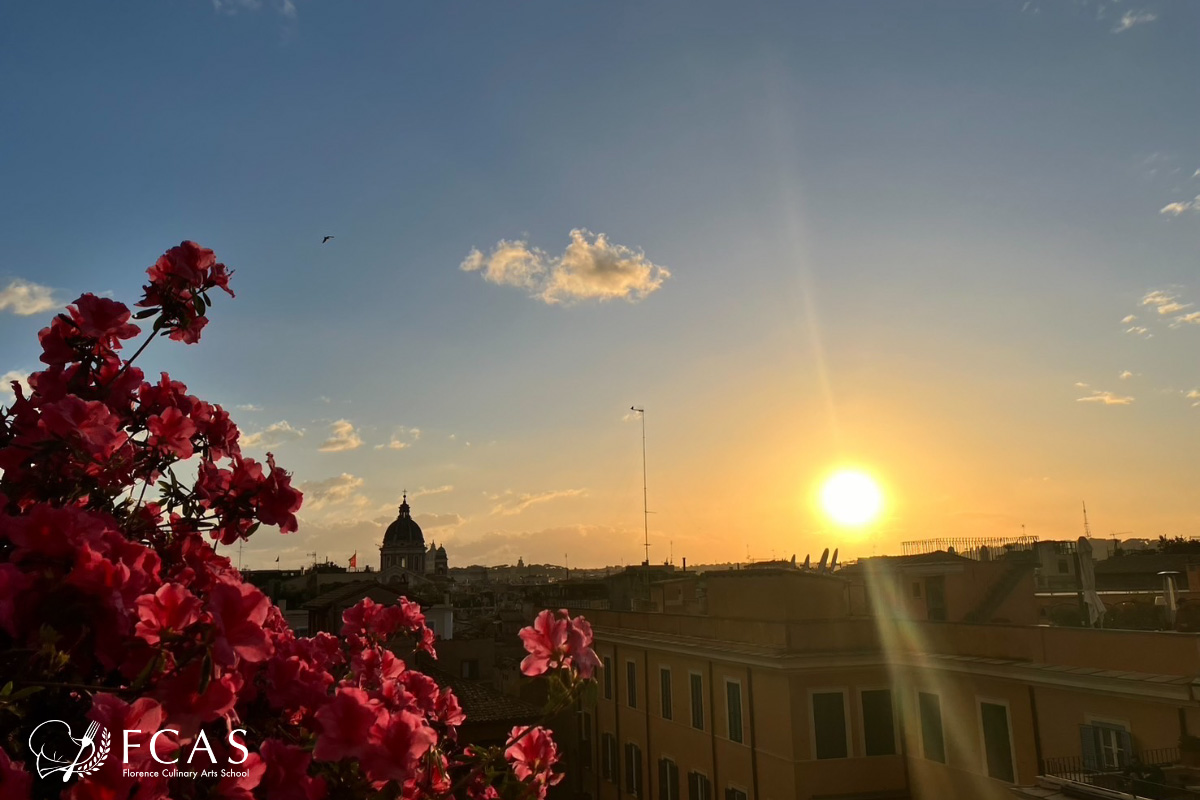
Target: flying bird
[(326, 239)]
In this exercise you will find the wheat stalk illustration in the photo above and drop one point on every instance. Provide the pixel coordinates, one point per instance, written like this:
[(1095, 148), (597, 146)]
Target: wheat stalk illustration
[(98, 756)]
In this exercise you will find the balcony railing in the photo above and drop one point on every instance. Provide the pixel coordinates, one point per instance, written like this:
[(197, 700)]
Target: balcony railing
[(1153, 774)]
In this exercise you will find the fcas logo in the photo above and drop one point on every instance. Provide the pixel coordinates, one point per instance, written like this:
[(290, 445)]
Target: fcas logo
[(57, 749)]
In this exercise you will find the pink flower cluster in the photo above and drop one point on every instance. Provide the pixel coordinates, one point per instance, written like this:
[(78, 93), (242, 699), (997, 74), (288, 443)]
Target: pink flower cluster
[(121, 610), (556, 641)]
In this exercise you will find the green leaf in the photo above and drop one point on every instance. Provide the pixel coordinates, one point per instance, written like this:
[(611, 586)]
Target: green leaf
[(206, 670), (149, 312), (26, 692)]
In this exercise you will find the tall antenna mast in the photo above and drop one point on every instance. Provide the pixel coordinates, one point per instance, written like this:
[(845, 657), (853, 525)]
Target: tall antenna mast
[(645, 505), (1087, 531)]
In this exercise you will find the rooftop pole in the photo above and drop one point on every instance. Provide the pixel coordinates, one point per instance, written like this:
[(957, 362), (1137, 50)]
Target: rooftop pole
[(645, 506)]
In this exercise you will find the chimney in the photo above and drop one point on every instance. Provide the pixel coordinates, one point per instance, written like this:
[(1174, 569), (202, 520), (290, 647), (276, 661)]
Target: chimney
[(685, 564)]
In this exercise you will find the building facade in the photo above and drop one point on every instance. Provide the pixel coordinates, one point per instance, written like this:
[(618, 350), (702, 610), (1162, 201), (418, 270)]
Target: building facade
[(794, 684)]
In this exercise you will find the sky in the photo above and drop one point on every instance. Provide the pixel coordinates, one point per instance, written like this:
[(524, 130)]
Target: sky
[(951, 244)]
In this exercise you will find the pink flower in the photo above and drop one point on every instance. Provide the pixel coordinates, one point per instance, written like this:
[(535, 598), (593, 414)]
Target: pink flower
[(145, 716), (171, 432), (448, 710), (286, 776), (345, 723), (579, 645), (546, 643), (15, 782), (277, 501), (397, 744), (558, 641), (240, 610), (239, 787), (166, 612), (106, 321), (532, 755), (88, 424)]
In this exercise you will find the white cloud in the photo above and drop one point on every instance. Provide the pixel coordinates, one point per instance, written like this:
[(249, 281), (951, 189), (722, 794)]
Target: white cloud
[(6, 392), (1125, 375), (511, 503), (1134, 17), (285, 7), (423, 492), (273, 435), (1187, 319), (248, 407), (341, 490), (1105, 398), (430, 522), (1080, 385), (1140, 330), (342, 437), (1194, 394), (24, 298), (591, 268), (1129, 319), (1180, 207), (1166, 302), (402, 438)]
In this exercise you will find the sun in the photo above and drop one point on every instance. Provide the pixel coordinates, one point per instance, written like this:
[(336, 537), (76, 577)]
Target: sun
[(851, 498)]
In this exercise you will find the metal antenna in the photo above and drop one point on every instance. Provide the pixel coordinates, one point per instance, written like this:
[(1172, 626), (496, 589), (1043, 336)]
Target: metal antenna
[(645, 506), (1087, 531)]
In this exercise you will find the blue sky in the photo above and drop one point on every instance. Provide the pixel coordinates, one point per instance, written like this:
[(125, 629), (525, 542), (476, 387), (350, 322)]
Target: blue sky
[(888, 234)]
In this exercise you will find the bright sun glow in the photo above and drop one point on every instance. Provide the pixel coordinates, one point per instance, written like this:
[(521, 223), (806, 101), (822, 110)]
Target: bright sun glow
[(851, 498)]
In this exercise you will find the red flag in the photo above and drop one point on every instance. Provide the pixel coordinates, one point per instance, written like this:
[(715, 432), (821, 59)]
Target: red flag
[(354, 560)]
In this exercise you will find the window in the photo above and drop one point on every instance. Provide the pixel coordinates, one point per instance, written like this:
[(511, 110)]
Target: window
[(697, 685), (668, 779), (733, 705), (735, 794), (916, 588), (829, 724), (879, 727), (608, 678), (933, 745), (470, 668), (631, 684), (1105, 745), (935, 598), (698, 787), (1062, 567), (997, 747), (664, 676), (633, 769), (585, 739), (608, 757)]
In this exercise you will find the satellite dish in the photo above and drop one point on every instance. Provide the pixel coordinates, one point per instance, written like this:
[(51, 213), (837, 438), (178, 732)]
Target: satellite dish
[(824, 560), (833, 561)]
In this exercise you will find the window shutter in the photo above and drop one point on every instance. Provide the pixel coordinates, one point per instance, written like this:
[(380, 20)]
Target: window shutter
[(1125, 743), (693, 786), (1089, 746)]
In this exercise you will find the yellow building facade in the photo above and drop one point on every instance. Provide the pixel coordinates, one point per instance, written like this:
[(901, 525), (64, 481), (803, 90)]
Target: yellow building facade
[(800, 685)]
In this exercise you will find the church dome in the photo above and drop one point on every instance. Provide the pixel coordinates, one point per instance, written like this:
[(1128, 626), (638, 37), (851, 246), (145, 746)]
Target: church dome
[(404, 531)]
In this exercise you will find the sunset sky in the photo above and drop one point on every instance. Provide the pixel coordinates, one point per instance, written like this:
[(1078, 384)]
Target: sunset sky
[(954, 245)]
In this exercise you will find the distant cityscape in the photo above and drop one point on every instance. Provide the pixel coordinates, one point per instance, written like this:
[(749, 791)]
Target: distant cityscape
[(963, 667)]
